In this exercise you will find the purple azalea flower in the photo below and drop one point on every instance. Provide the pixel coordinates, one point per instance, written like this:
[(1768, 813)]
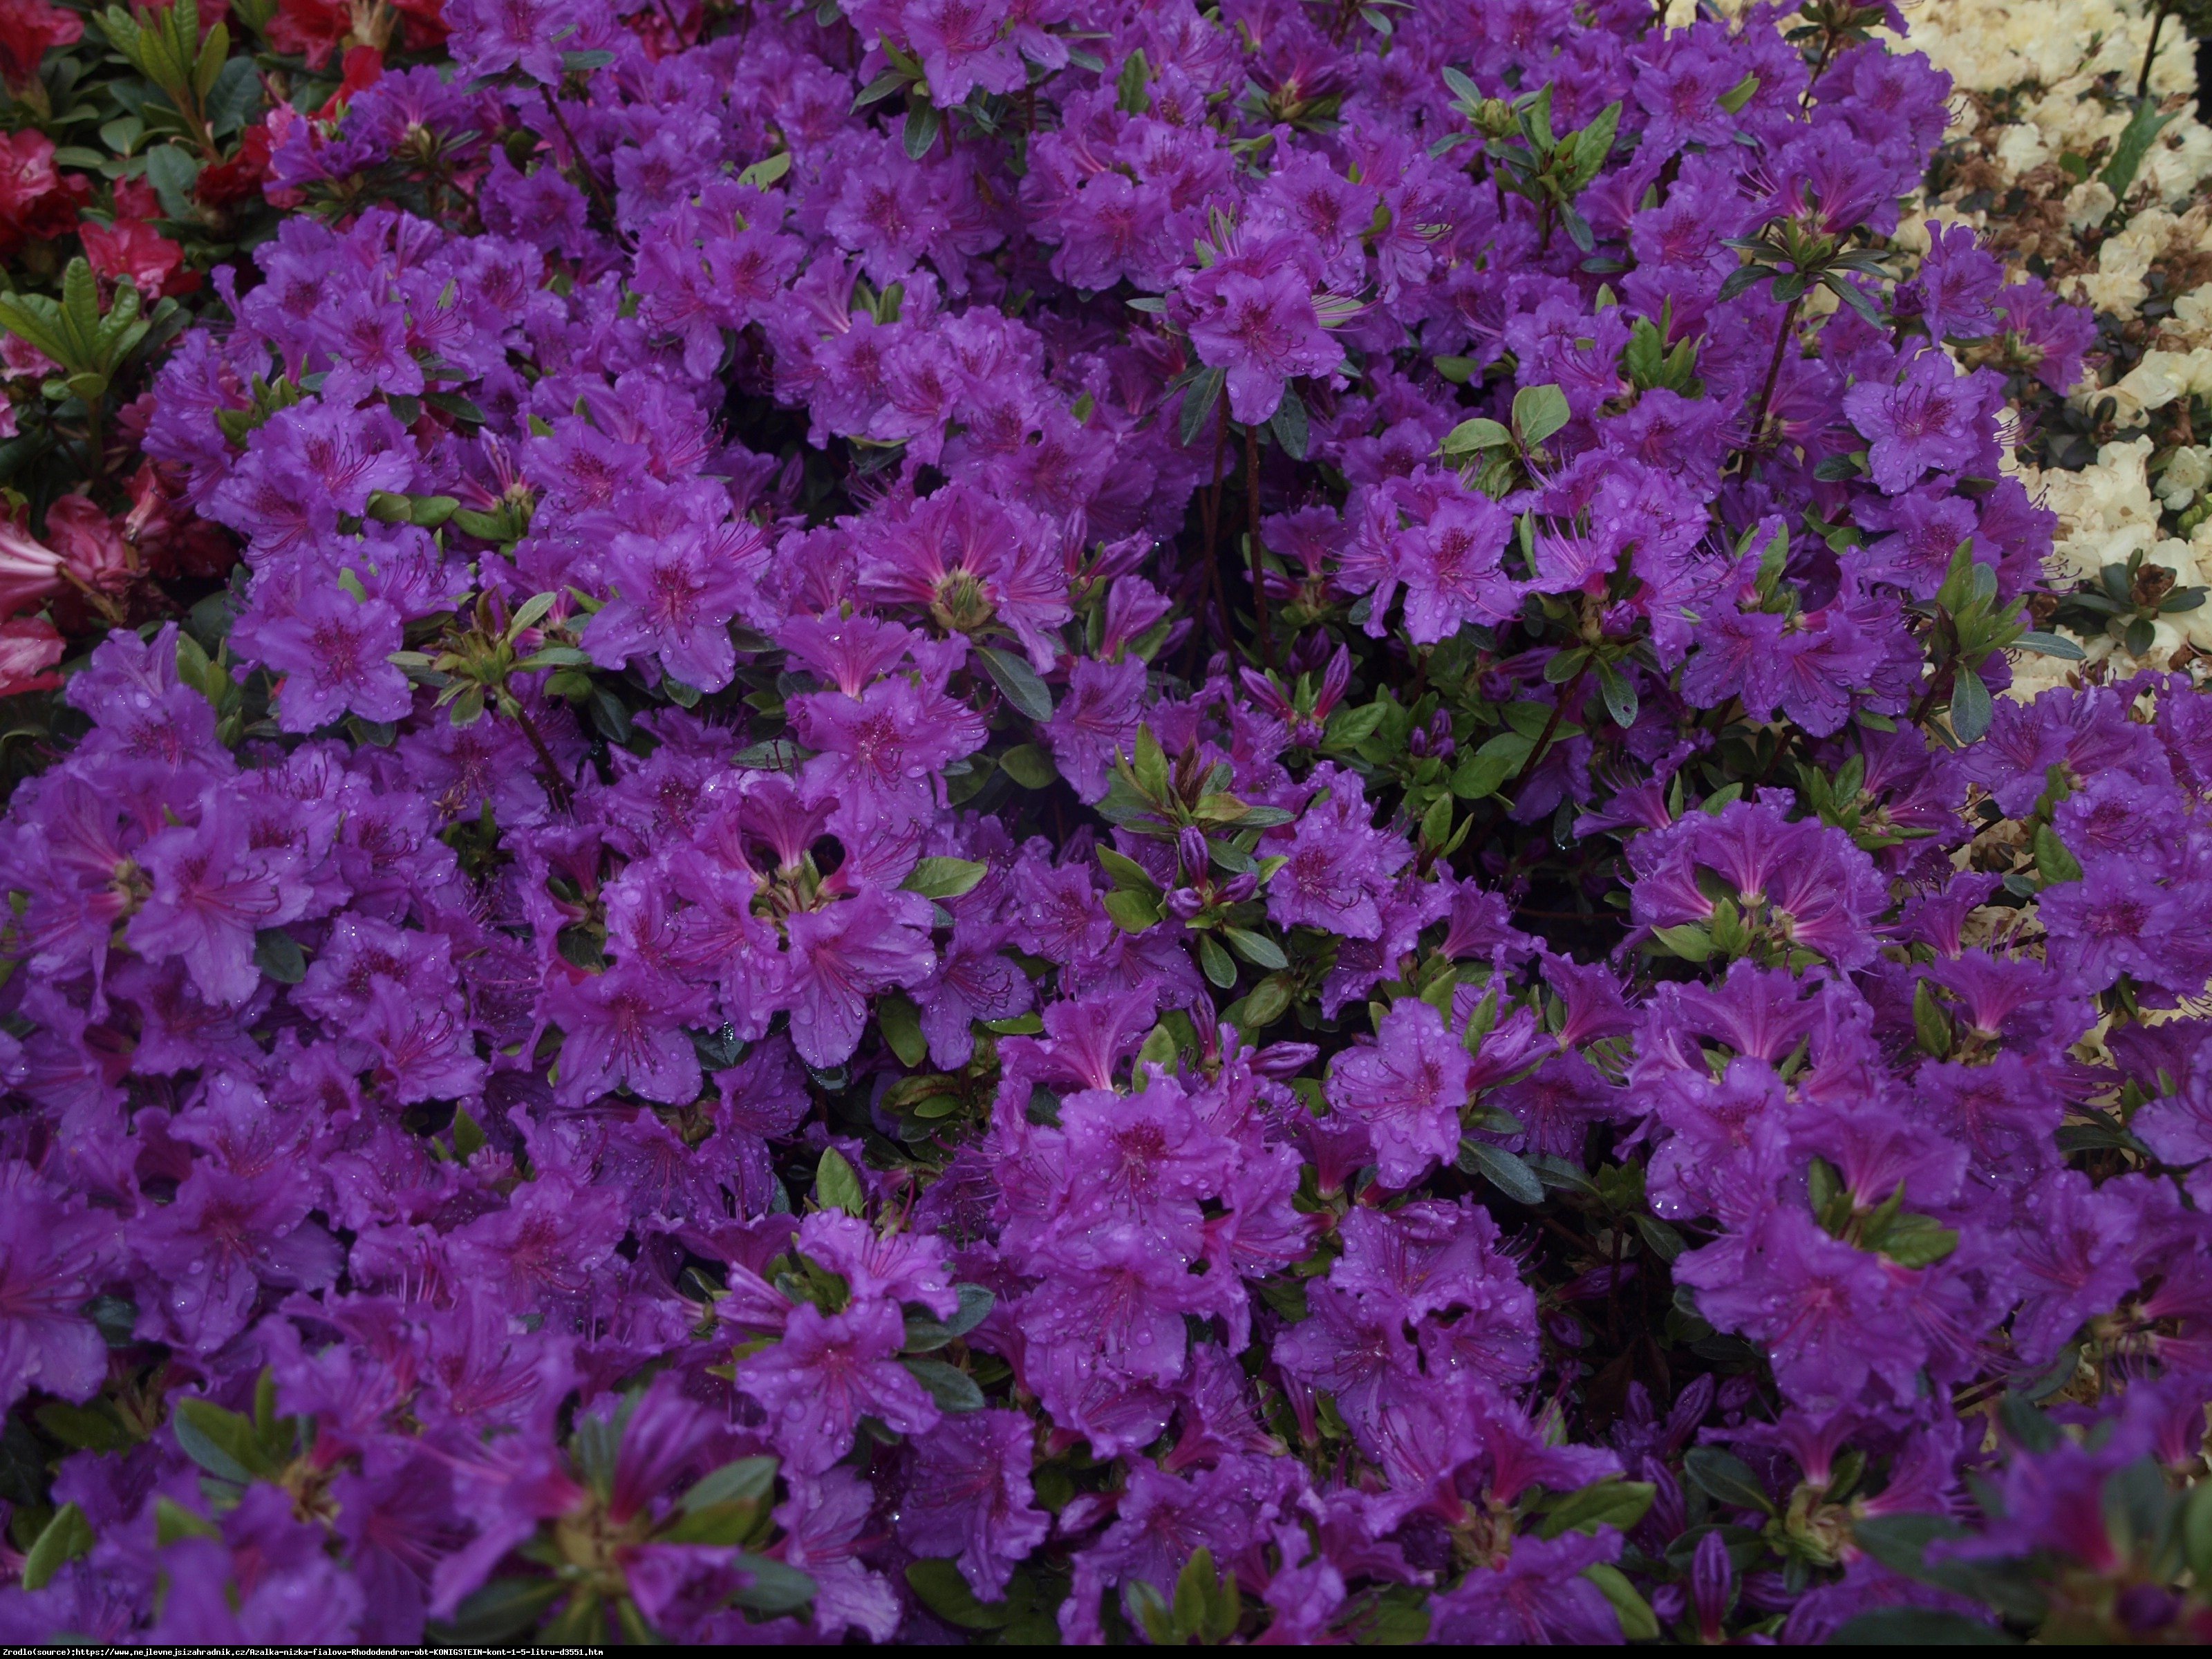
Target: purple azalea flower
[(825, 1373)]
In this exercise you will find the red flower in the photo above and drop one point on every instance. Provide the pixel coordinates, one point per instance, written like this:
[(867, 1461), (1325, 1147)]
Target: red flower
[(91, 544), (28, 28), (310, 28), (239, 176), (35, 201), (130, 251), (29, 569), (29, 647), (364, 68)]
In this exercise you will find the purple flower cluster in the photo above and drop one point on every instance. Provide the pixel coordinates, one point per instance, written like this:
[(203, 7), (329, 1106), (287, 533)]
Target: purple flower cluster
[(1086, 822)]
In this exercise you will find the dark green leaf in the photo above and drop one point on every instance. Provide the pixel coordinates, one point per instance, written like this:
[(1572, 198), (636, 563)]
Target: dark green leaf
[(1199, 398), (902, 1028), (2050, 645), (944, 877), (1029, 765), (975, 1304), (1618, 1503), (1538, 412), (501, 1611), (117, 1320), (1290, 425), (1665, 1242), (946, 1593), (1256, 948), (1502, 1169), (749, 1480), (1970, 709), (1726, 1478), (836, 1186), (1216, 961), (66, 1537), (232, 101), (1017, 681), (221, 1442), (2134, 146), (953, 1389), (922, 125), (277, 954), (771, 1588), (1914, 1627), (173, 171), (1638, 1622), (88, 1428)]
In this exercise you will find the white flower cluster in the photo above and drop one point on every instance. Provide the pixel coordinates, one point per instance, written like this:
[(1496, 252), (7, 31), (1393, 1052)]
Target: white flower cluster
[(2043, 92)]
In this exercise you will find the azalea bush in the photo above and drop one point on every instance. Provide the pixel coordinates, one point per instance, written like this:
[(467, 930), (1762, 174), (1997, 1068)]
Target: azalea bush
[(945, 820)]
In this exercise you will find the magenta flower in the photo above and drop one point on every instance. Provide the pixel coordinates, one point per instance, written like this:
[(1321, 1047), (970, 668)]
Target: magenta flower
[(827, 1372), (1407, 1088)]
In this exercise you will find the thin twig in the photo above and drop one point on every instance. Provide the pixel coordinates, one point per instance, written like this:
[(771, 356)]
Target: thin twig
[(2150, 54), (592, 187), (1782, 339), (1252, 542)]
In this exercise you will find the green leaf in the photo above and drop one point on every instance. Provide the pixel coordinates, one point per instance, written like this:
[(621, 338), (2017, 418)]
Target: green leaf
[(2050, 645), (2133, 149), (1686, 940), (1538, 412), (1619, 695), (1914, 1627), (944, 877), (1198, 399), (1502, 1169), (277, 954), (173, 171), (221, 1442), (1133, 912), (1900, 1543), (1665, 1242), (1918, 1241), (747, 1480), (1017, 681), (88, 1428), (1216, 962), (1472, 437), (1484, 771), (2053, 862), (2197, 1532), (66, 1537), (1029, 765), (1971, 708), (771, 1588), (953, 1389), (1127, 875), (173, 1522), (503, 1609), (1132, 86), (1741, 93), (976, 1305), (1726, 1478), (836, 1186), (1256, 948), (902, 1028), (1931, 1026), (1290, 425), (922, 125), (1618, 1504), (763, 173), (231, 101), (946, 1593), (1638, 1622)]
